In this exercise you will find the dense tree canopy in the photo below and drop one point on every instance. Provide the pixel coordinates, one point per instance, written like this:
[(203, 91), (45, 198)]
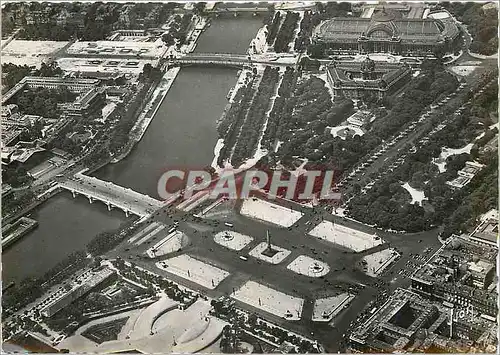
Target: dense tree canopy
[(14, 73), (43, 102), (387, 204), (286, 33), (481, 23)]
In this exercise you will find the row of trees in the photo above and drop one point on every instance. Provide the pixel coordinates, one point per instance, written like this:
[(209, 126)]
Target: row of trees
[(286, 33), (18, 200), (230, 126), (275, 116), (387, 204), (333, 9), (433, 84), (325, 11), (308, 110), (104, 242), (29, 289), (15, 175), (150, 73), (126, 116), (97, 24), (273, 28), (248, 139), (482, 23), (307, 25)]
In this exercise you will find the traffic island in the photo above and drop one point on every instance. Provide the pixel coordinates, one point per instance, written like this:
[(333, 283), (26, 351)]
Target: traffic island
[(308, 266)]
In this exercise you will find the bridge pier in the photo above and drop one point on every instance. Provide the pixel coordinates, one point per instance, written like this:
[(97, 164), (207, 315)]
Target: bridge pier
[(113, 196)]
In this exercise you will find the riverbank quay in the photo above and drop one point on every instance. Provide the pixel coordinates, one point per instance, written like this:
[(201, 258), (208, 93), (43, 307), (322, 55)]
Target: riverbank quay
[(161, 90), (149, 111), (14, 231)]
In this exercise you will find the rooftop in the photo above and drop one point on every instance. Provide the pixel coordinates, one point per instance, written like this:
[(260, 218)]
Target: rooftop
[(462, 268), (348, 73), (407, 321), (386, 25), (118, 48), (487, 231)]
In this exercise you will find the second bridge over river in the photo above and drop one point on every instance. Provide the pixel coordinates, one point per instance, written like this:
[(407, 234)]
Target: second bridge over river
[(230, 59), (130, 201)]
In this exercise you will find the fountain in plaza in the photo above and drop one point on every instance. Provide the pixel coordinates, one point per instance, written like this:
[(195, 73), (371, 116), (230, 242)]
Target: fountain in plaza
[(228, 237), (316, 268)]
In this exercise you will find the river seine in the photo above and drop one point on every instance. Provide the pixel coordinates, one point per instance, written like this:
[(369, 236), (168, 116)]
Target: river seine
[(183, 133)]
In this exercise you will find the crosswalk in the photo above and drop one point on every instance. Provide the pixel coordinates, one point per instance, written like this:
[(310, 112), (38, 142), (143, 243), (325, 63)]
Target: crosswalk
[(147, 233)]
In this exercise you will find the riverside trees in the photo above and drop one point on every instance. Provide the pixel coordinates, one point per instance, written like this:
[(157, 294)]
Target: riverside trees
[(248, 140), (286, 32)]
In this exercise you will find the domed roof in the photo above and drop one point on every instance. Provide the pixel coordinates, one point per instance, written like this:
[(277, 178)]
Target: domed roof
[(383, 16), (368, 65), (382, 25)]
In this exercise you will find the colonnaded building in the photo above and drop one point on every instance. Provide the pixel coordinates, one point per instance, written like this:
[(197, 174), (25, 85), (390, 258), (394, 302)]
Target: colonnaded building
[(367, 79), (389, 30)]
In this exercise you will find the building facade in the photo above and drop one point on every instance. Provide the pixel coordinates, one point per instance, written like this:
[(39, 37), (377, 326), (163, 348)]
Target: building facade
[(367, 79), (461, 274), (75, 85), (387, 32), (410, 323), (86, 104)]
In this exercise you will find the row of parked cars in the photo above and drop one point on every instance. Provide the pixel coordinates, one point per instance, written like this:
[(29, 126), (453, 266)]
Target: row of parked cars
[(389, 144)]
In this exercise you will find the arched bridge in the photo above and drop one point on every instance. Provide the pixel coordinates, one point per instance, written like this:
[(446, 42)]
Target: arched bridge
[(252, 9), (222, 59), (112, 195)]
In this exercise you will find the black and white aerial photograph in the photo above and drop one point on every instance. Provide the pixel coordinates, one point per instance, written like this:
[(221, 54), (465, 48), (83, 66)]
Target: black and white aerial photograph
[(249, 177)]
